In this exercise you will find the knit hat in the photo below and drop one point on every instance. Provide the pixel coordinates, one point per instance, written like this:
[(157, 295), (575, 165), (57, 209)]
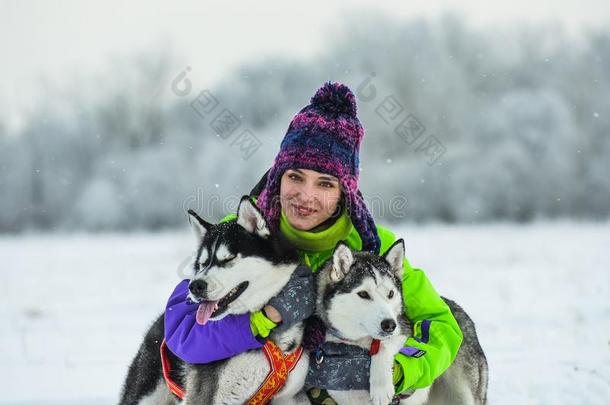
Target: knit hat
[(324, 136)]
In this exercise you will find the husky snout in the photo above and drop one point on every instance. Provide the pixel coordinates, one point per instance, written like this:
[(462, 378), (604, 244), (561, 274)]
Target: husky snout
[(388, 326), (385, 326), (198, 288)]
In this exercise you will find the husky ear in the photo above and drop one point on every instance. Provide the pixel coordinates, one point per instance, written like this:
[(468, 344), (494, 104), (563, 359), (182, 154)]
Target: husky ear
[(342, 262), (395, 257), (251, 219), (200, 227)]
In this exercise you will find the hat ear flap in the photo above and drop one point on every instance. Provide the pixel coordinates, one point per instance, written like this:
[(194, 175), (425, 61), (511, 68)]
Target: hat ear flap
[(363, 222)]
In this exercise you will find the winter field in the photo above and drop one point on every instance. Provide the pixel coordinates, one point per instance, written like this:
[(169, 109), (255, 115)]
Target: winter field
[(75, 307)]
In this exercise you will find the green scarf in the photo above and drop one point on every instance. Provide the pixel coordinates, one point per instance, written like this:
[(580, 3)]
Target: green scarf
[(320, 241)]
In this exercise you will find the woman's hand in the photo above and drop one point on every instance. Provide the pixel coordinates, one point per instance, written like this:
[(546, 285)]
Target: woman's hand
[(272, 314), (295, 302)]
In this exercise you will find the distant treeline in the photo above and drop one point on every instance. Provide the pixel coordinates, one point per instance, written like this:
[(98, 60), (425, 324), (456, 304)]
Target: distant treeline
[(462, 125)]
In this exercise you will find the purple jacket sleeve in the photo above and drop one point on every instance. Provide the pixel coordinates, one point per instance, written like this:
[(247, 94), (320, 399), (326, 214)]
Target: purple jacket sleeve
[(216, 340)]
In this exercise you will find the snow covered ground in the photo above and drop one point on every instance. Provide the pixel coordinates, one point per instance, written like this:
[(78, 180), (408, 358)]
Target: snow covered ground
[(75, 307)]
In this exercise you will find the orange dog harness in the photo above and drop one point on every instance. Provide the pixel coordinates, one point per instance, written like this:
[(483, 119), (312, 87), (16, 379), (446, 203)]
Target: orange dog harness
[(280, 365)]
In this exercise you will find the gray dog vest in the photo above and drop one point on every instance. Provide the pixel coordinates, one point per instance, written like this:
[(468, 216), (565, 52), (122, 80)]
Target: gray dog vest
[(339, 366)]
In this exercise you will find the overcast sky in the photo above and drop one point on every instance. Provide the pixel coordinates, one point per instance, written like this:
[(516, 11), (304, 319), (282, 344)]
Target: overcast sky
[(56, 39)]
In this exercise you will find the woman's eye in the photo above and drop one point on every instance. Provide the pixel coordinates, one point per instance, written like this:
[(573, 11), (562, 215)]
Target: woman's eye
[(293, 177), (326, 185), (364, 295), (391, 294)]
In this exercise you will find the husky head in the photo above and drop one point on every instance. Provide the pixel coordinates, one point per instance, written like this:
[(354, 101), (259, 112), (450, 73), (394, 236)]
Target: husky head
[(240, 265), (360, 294)]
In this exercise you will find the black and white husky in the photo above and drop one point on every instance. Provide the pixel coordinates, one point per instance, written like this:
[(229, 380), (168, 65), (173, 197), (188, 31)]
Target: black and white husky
[(359, 297), (256, 266)]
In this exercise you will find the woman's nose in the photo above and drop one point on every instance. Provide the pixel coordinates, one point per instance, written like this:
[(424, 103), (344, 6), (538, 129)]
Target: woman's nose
[(307, 192)]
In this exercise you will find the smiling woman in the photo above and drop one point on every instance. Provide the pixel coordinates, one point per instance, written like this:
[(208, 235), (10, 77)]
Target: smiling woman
[(309, 198)]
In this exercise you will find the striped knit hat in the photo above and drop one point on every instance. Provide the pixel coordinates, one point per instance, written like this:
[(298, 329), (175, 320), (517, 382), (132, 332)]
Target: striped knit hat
[(324, 136)]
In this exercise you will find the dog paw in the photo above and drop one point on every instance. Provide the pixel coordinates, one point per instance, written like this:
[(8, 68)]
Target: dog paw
[(380, 382), (381, 394)]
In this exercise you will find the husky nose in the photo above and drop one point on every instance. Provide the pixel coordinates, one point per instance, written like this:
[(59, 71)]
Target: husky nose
[(388, 325), (197, 287)]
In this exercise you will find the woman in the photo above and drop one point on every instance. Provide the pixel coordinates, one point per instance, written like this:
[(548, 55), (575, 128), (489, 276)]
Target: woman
[(311, 195)]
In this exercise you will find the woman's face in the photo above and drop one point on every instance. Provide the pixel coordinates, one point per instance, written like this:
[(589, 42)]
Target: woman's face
[(308, 198)]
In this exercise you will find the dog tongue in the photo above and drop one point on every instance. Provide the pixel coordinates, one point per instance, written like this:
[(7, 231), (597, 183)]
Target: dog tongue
[(205, 311)]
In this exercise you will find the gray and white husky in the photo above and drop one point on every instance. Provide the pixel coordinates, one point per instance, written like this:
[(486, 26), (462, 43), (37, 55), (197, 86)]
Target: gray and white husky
[(255, 266), (359, 297)]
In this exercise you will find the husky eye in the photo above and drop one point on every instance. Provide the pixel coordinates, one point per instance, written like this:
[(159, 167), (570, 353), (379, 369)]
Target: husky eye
[(391, 294), (225, 260), (364, 295)]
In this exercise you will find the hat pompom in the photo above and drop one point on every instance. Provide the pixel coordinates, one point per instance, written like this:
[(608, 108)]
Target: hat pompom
[(335, 99)]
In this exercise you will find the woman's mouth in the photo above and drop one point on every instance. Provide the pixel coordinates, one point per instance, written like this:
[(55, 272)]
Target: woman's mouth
[(302, 211)]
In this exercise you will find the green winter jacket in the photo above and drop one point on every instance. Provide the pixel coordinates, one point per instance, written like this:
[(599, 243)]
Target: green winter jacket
[(437, 336)]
